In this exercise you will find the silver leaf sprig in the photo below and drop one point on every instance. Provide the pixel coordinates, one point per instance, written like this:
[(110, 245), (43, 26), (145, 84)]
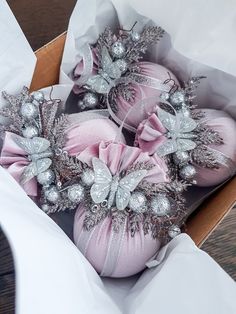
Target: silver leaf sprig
[(11, 111)]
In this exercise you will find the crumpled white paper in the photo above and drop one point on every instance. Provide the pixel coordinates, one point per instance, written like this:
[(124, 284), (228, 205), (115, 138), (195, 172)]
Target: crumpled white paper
[(51, 274)]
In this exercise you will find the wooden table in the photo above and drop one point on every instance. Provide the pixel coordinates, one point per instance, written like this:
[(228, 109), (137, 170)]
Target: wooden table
[(41, 21)]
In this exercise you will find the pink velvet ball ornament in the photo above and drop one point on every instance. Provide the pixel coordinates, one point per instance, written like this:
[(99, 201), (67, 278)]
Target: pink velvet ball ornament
[(219, 121), (83, 130), (86, 131), (151, 134), (138, 114), (141, 92), (97, 245)]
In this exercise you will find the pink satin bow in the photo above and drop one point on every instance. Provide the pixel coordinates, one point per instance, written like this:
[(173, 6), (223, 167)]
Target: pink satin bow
[(150, 134), (14, 159)]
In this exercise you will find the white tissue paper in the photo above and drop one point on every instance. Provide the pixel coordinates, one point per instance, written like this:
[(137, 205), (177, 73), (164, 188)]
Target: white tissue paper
[(52, 277)]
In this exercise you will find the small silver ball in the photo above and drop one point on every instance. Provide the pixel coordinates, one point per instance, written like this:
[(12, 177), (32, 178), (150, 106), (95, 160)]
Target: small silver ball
[(76, 193), (46, 177), (29, 111), (174, 231), (160, 205), (138, 202), (38, 96), (177, 98), (52, 194), (135, 36), (30, 131), (87, 177), (187, 172), (164, 96), (118, 49), (81, 104), (45, 208), (181, 158), (90, 100), (122, 64)]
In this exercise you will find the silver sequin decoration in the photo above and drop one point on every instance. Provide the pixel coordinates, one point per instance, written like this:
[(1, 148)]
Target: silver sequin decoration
[(90, 100), (138, 202), (46, 177), (160, 205), (187, 172), (76, 193), (118, 49), (52, 194), (87, 177), (29, 111)]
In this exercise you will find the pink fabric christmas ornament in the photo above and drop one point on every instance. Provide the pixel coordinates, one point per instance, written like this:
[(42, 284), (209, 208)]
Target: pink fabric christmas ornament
[(221, 122), (84, 129), (117, 254), (153, 71), (151, 134)]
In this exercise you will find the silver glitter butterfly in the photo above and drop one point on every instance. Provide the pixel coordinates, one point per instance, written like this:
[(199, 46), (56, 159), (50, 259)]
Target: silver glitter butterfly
[(38, 150), (105, 79), (117, 190), (180, 136)]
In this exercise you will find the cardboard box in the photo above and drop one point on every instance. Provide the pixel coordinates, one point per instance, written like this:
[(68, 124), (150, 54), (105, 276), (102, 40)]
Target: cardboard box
[(206, 218)]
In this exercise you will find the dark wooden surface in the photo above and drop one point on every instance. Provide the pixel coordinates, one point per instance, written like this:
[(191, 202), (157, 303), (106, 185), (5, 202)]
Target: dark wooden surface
[(41, 21)]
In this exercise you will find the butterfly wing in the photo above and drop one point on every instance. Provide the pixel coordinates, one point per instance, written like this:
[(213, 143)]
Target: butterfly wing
[(98, 84), (168, 147), (29, 173), (187, 124), (108, 66), (43, 164), (122, 198), (127, 185), (185, 144), (102, 181), (168, 120), (32, 146)]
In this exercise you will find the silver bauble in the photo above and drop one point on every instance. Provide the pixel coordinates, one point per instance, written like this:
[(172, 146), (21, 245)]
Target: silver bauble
[(174, 231), (164, 96), (177, 98), (160, 205), (76, 193), (187, 172), (46, 178), (118, 49), (52, 194), (181, 158), (38, 96), (122, 64), (135, 36), (138, 202), (30, 131), (87, 177), (29, 111), (90, 100), (81, 104), (45, 208)]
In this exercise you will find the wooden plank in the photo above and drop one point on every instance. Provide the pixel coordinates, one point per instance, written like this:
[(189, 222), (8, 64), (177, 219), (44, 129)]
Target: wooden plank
[(7, 294), (6, 259)]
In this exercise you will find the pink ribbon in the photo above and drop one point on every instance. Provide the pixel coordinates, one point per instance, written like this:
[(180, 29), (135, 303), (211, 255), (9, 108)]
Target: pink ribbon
[(14, 159)]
